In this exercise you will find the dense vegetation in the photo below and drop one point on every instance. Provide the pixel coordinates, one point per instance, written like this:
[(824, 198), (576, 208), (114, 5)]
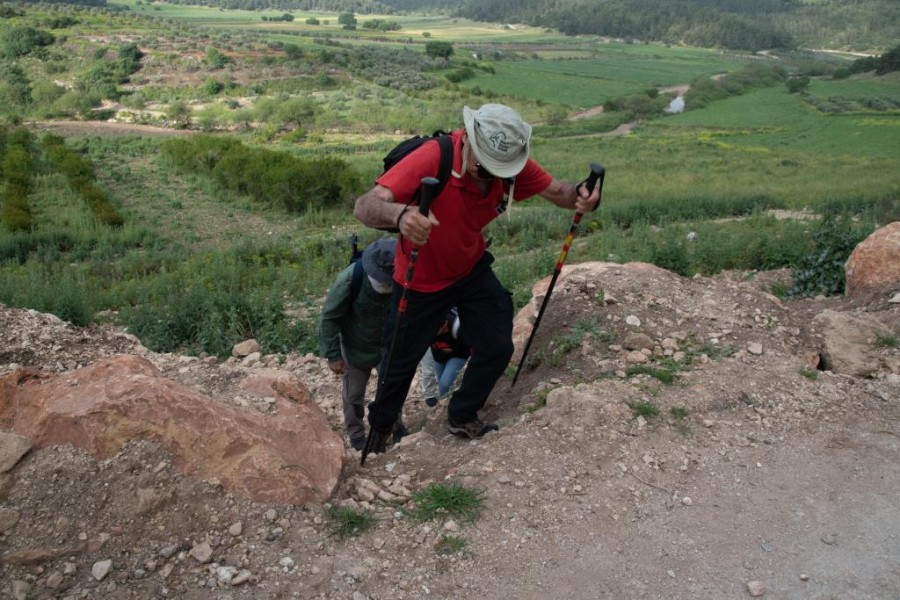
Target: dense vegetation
[(197, 241)]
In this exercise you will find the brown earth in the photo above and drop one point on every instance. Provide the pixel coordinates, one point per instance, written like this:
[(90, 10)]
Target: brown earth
[(768, 473)]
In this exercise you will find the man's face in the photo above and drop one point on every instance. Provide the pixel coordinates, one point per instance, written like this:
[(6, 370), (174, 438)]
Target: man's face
[(473, 167)]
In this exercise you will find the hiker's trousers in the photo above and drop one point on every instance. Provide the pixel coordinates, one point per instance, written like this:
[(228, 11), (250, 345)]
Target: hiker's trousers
[(485, 316), (353, 399)]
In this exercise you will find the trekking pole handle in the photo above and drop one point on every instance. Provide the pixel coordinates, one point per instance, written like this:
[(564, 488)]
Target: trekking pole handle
[(429, 185), (597, 173)]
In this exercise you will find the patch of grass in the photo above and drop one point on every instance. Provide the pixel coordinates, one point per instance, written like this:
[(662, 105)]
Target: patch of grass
[(663, 375), (345, 521), (451, 544), (540, 400), (714, 351), (809, 373), (889, 341), (645, 409), (679, 413), (447, 500), (573, 337)]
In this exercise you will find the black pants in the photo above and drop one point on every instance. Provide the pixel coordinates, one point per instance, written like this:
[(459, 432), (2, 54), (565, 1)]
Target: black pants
[(485, 315)]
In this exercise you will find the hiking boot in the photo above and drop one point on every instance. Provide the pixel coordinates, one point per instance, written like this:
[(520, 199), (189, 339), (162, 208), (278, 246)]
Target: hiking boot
[(400, 432), (473, 429), (432, 401), (379, 440), (358, 443)]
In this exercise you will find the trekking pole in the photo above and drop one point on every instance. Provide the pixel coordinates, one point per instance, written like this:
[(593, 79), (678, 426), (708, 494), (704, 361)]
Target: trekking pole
[(597, 172), (429, 184)]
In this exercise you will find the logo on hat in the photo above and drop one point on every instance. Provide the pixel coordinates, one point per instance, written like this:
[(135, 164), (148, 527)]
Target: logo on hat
[(498, 141)]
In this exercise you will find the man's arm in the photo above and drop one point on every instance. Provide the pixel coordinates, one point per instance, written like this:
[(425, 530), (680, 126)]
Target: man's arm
[(376, 208), (568, 195)]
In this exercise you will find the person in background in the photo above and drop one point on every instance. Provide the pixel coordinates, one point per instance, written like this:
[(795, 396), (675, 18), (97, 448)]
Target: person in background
[(450, 352), (350, 331), (491, 169), (429, 379)]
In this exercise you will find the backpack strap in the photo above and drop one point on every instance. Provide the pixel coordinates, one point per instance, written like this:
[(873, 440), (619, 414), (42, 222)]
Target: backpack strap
[(357, 281), (445, 142), (443, 174)]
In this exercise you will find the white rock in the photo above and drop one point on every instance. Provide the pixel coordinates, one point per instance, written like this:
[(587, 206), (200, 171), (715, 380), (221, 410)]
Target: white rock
[(756, 588), (242, 577), (755, 348), (226, 574), (202, 552), (632, 320), (101, 569)]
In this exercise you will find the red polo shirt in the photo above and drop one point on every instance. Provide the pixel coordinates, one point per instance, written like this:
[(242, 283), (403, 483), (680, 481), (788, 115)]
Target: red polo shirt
[(455, 246)]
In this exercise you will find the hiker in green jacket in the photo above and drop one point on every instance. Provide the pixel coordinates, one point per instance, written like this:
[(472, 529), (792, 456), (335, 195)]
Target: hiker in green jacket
[(351, 330)]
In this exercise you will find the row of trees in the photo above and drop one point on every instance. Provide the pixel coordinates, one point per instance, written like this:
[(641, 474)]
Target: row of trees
[(79, 173), (17, 165), (673, 21), (275, 179), (360, 6), (21, 158)]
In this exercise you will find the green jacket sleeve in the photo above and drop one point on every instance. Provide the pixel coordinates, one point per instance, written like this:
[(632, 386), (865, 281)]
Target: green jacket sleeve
[(334, 311)]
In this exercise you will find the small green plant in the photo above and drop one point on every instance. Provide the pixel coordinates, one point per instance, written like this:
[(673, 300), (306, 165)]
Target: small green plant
[(663, 375), (450, 500), (574, 336), (822, 270), (809, 373), (345, 521), (679, 413), (780, 289), (889, 341), (714, 351), (451, 544), (540, 400), (645, 409)]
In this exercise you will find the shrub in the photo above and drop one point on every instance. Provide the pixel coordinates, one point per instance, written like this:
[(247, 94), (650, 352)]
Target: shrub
[(821, 270)]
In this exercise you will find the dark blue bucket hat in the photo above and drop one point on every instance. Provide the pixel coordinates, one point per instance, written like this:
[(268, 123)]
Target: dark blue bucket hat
[(378, 260)]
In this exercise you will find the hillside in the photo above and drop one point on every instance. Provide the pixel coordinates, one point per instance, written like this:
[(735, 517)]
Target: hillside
[(757, 472)]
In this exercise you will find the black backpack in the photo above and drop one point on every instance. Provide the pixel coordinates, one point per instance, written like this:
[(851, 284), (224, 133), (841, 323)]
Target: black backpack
[(358, 271), (407, 146)]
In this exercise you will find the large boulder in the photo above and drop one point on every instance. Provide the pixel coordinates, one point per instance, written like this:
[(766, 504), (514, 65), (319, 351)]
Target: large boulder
[(290, 457), (875, 263), (849, 341)]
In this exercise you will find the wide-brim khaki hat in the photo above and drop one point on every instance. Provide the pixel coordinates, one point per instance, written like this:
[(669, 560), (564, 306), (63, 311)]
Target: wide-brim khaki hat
[(499, 138)]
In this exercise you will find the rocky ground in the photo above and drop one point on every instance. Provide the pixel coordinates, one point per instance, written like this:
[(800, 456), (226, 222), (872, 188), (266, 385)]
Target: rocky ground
[(766, 472)]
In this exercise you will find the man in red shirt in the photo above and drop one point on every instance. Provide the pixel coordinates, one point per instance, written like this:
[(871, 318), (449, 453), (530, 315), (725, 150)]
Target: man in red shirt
[(491, 166)]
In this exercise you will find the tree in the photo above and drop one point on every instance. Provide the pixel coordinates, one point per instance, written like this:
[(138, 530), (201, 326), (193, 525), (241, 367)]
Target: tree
[(348, 20), (21, 40), (179, 113), (439, 49), (216, 59), (797, 85)]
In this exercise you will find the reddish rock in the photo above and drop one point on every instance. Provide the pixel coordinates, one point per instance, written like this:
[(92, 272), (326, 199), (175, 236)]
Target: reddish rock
[(292, 457), (875, 262)]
